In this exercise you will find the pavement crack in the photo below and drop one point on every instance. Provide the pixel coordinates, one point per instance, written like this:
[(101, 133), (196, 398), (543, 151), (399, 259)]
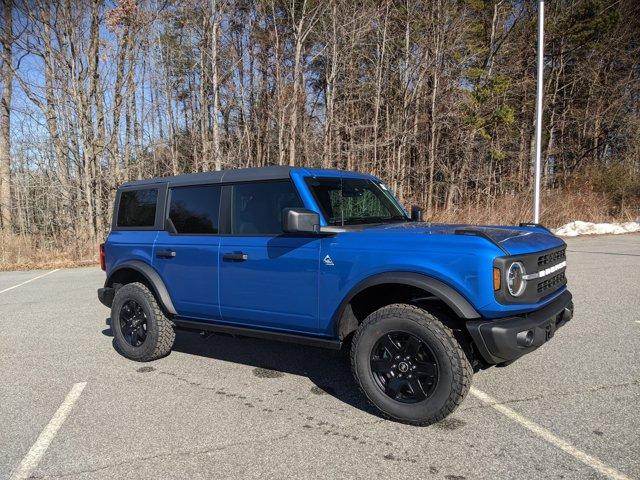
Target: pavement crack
[(179, 453), (606, 253), (534, 398)]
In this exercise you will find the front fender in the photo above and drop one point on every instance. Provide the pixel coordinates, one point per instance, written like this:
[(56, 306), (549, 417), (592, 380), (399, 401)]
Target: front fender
[(459, 304)]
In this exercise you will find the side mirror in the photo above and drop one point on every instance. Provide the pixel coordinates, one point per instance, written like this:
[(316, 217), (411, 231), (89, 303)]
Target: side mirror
[(416, 213), (300, 220)]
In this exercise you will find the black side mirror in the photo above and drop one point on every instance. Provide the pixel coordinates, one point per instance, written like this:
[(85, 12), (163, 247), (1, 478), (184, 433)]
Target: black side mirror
[(416, 213), (300, 220)]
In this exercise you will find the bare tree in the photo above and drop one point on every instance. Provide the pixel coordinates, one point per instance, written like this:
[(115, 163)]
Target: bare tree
[(6, 79), (434, 97)]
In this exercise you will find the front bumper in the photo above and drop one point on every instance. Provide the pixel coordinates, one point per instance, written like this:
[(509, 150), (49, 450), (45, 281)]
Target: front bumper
[(504, 340)]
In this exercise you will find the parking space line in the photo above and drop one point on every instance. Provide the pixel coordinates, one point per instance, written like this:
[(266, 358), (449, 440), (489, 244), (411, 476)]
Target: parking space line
[(606, 253), (29, 281), (550, 437), (35, 453)]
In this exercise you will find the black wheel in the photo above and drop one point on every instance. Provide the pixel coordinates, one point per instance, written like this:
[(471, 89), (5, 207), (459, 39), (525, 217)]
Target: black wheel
[(404, 367), (409, 365), (133, 323), (140, 328)]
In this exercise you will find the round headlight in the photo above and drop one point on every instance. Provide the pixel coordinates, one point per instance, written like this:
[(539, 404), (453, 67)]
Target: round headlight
[(515, 279)]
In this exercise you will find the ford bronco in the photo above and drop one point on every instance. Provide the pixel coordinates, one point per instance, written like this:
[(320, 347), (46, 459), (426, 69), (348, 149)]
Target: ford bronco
[(330, 258)]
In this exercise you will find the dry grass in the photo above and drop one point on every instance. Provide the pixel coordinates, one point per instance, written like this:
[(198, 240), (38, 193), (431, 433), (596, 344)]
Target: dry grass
[(557, 209), (31, 252), (26, 253)]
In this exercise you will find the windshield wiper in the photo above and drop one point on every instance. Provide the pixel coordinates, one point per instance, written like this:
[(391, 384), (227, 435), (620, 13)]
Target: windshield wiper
[(364, 220), (378, 219), (398, 218), (391, 219), (352, 220)]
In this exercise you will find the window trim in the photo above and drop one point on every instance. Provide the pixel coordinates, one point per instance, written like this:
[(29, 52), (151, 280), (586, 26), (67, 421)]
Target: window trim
[(225, 209), (160, 208), (167, 218)]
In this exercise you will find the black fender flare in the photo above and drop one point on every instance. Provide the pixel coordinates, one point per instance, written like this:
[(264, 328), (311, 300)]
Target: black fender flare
[(153, 278), (459, 304)]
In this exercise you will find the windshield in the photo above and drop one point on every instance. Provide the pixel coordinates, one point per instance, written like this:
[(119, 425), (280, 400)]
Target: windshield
[(354, 201)]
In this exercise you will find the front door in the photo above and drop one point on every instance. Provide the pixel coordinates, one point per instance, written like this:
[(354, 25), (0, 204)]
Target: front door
[(268, 278), (186, 255)]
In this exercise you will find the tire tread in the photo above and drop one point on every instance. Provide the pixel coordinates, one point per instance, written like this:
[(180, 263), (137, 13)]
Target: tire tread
[(462, 369), (166, 332)]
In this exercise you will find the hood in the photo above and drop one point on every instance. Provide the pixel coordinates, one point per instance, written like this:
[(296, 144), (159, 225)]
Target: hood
[(513, 240)]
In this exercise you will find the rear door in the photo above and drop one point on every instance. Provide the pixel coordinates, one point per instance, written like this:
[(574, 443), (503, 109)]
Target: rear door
[(267, 278), (186, 252)]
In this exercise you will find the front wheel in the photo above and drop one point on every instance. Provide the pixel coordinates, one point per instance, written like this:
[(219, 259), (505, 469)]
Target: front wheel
[(409, 365), (140, 328)]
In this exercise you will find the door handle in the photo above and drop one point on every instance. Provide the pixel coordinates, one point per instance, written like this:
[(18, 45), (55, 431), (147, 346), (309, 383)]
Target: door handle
[(165, 254), (236, 257)]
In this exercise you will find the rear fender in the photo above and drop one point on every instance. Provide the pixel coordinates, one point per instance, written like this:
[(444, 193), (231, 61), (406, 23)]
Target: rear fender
[(153, 280)]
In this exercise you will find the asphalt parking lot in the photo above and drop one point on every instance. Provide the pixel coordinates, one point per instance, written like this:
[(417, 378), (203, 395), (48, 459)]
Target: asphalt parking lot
[(225, 407)]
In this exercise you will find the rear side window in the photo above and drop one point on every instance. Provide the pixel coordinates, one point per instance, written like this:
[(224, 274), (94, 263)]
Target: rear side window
[(137, 208), (195, 210), (257, 207)]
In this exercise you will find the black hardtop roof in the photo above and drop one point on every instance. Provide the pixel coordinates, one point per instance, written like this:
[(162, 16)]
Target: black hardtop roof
[(274, 172)]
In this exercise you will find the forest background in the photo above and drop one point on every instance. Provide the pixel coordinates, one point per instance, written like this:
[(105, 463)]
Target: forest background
[(437, 97)]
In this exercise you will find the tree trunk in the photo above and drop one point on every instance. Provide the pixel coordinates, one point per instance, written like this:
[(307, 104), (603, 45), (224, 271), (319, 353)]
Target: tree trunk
[(5, 118), (293, 115), (217, 157)]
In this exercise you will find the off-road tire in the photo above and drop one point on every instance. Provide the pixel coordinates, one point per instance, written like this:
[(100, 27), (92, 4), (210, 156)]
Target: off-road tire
[(160, 332), (454, 370)]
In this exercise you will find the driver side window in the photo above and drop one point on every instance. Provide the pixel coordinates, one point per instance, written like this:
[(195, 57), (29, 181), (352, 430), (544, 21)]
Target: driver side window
[(256, 208)]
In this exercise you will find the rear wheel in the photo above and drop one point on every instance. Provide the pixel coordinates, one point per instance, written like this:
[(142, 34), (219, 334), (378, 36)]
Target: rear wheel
[(140, 328), (409, 365)]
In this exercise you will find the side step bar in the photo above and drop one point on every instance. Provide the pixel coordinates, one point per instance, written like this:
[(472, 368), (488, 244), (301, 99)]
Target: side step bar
[(330, 343)]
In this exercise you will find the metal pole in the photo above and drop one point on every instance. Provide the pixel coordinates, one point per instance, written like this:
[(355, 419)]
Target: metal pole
[(536, 190)]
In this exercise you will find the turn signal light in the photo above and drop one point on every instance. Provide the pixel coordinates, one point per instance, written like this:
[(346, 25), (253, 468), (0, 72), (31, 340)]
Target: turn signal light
[(496, 279)]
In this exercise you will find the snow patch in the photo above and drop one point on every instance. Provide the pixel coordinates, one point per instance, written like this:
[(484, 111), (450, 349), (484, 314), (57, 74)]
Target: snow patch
[(576, 228)]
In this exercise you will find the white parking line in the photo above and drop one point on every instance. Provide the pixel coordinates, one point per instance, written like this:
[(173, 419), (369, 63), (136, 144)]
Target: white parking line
[(35, 453), (554, 440), (29, 281)]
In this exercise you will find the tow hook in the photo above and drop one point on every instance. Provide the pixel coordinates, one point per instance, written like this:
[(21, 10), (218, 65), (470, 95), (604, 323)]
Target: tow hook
[(567, 313)]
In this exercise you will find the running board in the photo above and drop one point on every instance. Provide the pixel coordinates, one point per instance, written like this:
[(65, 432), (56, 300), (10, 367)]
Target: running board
[(330, 343)]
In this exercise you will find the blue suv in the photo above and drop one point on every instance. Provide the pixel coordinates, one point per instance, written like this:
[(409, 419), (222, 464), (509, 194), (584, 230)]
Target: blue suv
[(328, 258)]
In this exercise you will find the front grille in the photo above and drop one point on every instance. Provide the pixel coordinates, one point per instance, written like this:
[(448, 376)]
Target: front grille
[(551, 258), (545, 272), (551, 283)]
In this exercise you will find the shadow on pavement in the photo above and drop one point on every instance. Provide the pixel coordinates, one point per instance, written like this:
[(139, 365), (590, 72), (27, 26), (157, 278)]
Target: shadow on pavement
[(328, 370)]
